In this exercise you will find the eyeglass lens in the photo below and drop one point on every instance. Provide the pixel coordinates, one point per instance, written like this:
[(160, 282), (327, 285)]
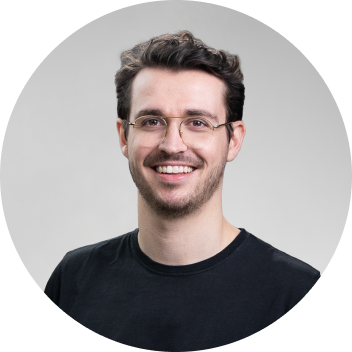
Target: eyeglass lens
[(196, 132)]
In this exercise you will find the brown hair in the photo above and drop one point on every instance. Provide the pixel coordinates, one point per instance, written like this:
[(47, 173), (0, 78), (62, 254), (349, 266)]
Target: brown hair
[(177, 52)]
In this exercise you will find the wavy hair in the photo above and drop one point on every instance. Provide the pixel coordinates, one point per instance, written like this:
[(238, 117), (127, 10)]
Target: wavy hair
[(178, 52)]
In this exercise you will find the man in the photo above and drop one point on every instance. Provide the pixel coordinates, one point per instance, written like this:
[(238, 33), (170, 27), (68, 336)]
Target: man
[(186, 279)]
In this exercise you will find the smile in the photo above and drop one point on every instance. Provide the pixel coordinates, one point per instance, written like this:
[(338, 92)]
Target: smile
[(174, 169)]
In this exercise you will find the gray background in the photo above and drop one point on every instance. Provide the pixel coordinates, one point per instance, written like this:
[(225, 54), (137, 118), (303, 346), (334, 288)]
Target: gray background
[(65, 183)]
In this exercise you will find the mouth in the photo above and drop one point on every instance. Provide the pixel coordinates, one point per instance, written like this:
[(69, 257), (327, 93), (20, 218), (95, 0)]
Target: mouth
[(173, 173), (173, 169)]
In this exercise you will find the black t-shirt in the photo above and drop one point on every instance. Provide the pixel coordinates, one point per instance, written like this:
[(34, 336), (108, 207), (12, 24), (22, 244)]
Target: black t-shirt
[(114, 289)]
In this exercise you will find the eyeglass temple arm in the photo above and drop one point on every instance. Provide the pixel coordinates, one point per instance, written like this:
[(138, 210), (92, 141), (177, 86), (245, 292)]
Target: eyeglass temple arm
[(223, 124), (128, 123)]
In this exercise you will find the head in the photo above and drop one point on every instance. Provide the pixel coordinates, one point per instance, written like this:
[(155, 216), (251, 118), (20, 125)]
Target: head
[(179, 52), (178, 76)]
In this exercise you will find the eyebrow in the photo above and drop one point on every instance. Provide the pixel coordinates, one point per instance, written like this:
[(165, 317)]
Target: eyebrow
[(187, 112), (146, 112), (201, 112)]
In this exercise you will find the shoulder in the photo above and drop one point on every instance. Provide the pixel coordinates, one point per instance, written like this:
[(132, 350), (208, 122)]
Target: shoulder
[(281, 269), (82, 265), (102, 251)]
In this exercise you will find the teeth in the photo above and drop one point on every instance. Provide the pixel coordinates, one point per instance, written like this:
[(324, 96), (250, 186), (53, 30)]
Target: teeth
[(174, 169)]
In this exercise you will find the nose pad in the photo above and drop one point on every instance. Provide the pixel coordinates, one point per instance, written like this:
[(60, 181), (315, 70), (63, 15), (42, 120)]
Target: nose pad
[(181, 137), (167, 131)]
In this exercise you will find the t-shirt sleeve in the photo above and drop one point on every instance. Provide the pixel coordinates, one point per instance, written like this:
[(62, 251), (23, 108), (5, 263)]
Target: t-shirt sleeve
[(53, 286), (303, 286), (297, 279)]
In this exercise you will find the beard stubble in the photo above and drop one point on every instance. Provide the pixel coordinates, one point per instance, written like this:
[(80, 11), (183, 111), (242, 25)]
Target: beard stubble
[(201, 194)]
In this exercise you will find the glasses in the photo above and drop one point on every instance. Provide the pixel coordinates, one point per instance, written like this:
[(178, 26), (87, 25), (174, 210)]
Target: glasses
[(196, 131)]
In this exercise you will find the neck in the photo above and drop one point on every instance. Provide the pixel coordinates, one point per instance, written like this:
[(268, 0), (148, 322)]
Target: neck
[(190, 239)]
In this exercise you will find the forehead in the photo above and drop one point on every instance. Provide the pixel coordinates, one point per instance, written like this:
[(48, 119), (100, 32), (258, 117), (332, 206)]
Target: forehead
[(173, 93)]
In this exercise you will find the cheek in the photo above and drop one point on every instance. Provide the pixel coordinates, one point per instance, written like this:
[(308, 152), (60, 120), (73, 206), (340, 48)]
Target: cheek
[(207, 155), (132, 142), (134, 147), (214, 153), (137, 153), (138, 144)]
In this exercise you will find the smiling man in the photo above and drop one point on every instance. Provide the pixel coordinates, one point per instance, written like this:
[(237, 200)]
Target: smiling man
[(186, 279)]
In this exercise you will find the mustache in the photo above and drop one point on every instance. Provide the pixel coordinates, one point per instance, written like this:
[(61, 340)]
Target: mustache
[(153, 159)]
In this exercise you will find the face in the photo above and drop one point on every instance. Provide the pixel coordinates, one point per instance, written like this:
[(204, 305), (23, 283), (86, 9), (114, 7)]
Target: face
[(179, 94)]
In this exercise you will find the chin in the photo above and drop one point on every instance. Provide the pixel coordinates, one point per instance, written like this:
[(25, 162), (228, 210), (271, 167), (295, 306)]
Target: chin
[(172, 206), (173, 209)]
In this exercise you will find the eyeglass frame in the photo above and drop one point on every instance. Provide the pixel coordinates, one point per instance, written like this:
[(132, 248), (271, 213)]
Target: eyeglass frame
[(176, 117)]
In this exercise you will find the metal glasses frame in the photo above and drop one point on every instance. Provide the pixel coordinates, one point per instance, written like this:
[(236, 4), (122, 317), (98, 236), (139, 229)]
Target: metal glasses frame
[(176, 117)]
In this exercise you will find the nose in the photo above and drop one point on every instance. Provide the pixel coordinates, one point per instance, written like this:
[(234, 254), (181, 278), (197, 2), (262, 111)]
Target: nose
[(172, 142)]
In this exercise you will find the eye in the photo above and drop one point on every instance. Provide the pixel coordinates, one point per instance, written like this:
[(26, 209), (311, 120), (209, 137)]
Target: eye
[(151, 122), (148, 122), (197, 124)]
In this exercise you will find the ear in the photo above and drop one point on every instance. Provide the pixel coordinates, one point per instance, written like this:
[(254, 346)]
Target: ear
[(121, 133), (236, 140)]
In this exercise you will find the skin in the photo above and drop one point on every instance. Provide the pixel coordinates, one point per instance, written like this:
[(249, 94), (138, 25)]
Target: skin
[(202, 232)]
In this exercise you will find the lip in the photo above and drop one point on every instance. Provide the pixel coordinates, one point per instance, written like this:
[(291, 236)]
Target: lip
[(173, 177), (173, 163)]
